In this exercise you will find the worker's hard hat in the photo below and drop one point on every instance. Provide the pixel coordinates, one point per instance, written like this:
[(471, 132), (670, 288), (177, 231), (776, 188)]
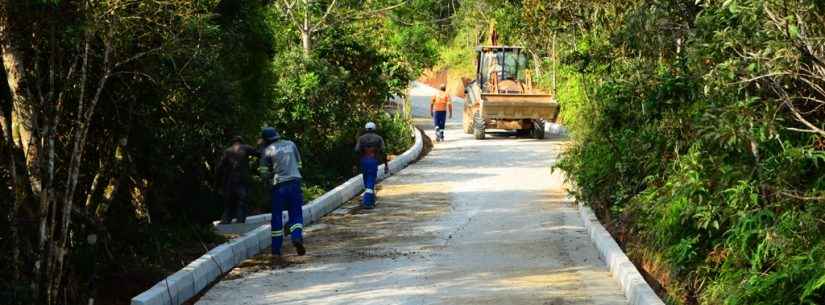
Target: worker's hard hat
[(270, 134), (370, 126)]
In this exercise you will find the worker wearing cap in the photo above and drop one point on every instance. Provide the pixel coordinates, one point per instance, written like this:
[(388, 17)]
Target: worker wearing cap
[(370, 147), (233, 170), (279, 166), (439, 106)]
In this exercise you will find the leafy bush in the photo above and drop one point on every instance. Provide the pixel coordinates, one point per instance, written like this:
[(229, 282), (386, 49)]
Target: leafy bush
[(691, 141), (397, 132)]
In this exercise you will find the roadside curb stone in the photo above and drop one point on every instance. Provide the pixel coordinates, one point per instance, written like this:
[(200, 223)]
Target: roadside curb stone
[(192, 279), (636, 289)]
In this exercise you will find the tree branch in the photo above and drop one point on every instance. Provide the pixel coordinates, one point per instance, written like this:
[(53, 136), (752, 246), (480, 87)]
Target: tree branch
[(136, 57), (371, 13), (802, 197), (802, 119), (287, 8), (60, 101), (323, 18)]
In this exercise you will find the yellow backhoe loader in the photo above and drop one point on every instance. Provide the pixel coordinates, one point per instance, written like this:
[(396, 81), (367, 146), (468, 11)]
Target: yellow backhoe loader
[(502, 95)]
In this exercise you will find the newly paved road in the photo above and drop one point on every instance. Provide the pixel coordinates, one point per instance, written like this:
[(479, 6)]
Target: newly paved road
[(475, 222)]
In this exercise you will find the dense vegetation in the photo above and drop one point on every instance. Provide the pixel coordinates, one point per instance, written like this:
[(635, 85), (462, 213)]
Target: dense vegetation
[(698, 133), (115, 112), (699, 137)]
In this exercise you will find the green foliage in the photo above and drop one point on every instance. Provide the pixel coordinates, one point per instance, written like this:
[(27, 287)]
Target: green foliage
[(312, 191), (396, 127), (470, 27), (207, 71), (687, 133)]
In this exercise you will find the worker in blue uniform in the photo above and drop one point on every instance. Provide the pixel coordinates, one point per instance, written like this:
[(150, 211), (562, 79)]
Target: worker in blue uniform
[(370, 147), (279, 167)]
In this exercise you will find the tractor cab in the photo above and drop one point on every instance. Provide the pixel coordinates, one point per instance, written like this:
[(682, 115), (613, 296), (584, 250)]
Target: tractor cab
[(502, 70)]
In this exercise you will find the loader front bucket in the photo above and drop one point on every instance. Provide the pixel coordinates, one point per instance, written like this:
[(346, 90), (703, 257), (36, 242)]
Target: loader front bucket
[(519, 106)]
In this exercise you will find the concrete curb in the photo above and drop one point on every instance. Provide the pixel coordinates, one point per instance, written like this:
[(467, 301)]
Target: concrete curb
[(192, 279), (635, 288)]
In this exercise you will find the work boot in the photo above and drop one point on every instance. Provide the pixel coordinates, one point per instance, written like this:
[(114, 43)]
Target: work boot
[(366, 205), (299, 247)]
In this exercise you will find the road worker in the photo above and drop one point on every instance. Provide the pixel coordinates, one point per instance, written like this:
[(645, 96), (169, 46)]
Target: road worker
[(370, 147), (279, 166), (439, 106), (233, 173)]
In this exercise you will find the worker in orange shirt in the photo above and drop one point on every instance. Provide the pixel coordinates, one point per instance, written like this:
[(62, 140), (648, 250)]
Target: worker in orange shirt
[(439, 106)]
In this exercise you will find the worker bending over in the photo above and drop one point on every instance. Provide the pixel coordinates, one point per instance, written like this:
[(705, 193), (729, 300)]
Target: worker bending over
[(279, 166), (233, 171), (370, 147)]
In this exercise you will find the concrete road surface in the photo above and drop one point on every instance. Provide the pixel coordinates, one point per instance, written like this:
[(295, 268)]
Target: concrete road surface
[(475, 222)]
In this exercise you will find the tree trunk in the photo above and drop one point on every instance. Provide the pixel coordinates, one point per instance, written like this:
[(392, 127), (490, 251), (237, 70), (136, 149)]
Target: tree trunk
[(306, 32), (92, 197), (33, 134), (114, 171), (24, 132), (306, 43), (7, 143), (25, 117)]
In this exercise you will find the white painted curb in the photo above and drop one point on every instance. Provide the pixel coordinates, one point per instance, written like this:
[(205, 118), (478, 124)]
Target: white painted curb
[(635, 288), (189, 281)]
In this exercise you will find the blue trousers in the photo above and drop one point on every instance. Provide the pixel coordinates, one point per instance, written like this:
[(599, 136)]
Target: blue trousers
[(369, 170), (287, 194), (439, 119)]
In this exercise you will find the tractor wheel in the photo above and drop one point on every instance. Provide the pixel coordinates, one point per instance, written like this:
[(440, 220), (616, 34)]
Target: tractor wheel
[(538, 129), (478, 126)]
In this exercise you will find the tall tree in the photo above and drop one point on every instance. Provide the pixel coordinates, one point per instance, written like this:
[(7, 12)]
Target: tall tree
[(58, 58), (309, 17)]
